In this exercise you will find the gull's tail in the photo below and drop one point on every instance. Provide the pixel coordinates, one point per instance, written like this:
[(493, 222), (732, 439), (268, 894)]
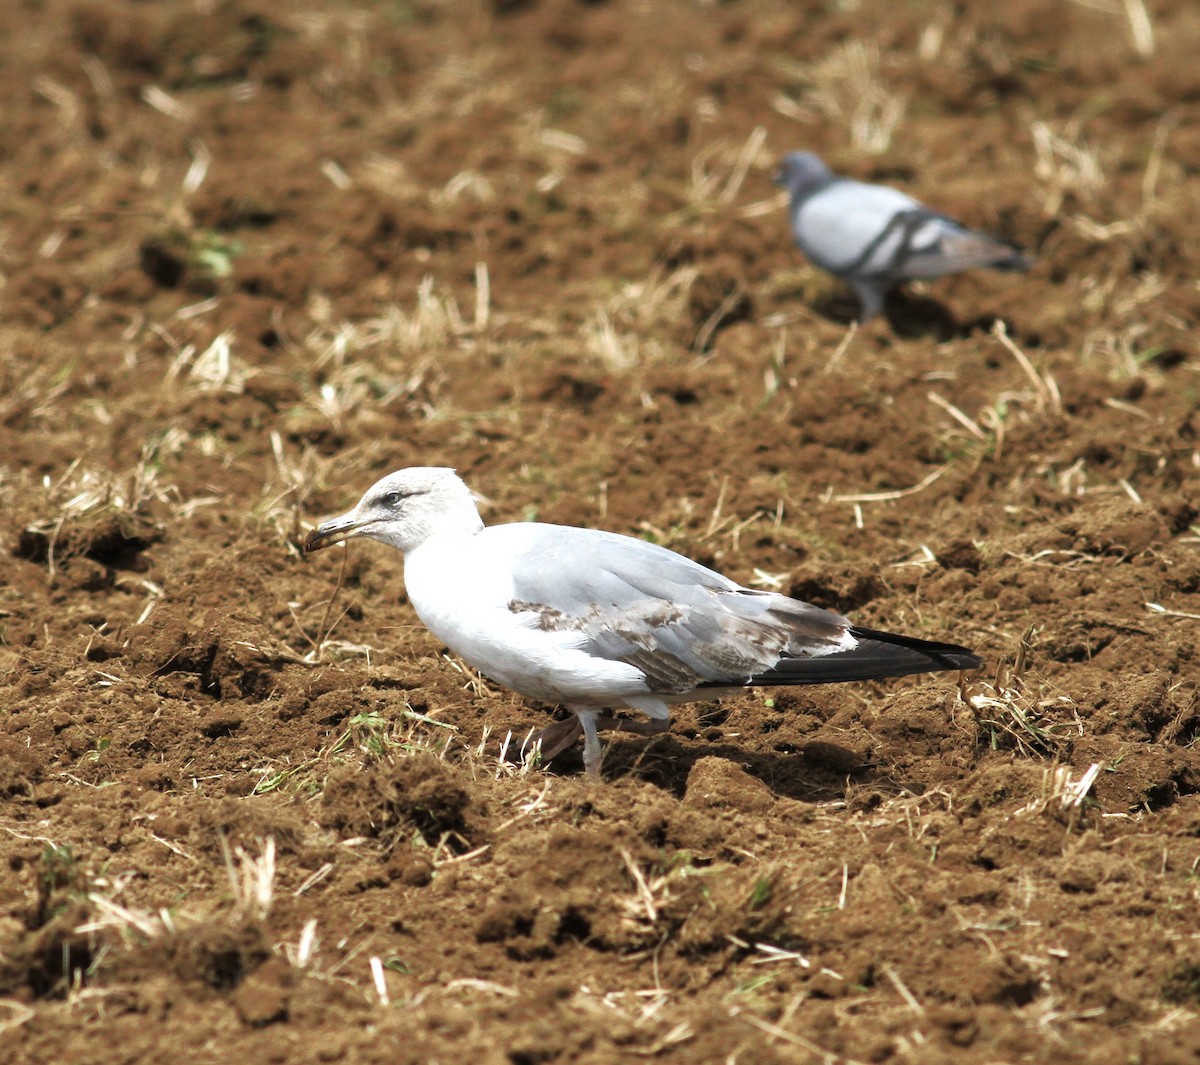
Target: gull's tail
[(875, 656)]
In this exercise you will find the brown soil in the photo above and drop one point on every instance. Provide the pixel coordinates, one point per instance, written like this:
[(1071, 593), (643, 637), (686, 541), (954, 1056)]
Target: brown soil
[(254, 256)]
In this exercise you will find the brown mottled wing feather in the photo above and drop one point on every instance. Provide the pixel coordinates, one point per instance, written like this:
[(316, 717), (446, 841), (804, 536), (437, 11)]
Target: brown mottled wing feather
[(686, 627)]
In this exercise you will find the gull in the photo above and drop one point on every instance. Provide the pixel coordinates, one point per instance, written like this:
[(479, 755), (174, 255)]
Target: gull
[(874, 236), (596, 621)]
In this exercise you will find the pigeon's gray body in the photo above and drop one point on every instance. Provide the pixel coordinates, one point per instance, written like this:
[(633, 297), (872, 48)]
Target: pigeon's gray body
[(874, 236)]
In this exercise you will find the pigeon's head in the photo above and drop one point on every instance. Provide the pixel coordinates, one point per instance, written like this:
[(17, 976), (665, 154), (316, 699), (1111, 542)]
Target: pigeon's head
[(404, 509), (801, 172)]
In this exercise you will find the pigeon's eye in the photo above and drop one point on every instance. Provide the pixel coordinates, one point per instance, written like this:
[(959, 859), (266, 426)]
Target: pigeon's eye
[(392, 499)]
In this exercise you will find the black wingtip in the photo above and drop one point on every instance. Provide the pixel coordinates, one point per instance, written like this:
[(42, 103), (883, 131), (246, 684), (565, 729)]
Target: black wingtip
[(940, 655), (876, 656)]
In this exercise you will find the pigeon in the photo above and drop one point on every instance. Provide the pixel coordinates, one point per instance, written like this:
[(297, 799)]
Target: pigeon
[(874, 236), (597, 621)]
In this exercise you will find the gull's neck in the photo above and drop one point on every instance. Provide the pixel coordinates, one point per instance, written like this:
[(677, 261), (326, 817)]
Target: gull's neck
[(462, 521), (449, 528)]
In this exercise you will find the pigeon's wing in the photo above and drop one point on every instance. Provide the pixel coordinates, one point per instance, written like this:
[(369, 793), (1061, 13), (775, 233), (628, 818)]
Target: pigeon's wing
[(872, 232), (848, 224), (686, 627), (935, 245)]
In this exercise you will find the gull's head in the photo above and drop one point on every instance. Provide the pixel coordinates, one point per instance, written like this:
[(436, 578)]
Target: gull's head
[(404, 509), (801, 172)]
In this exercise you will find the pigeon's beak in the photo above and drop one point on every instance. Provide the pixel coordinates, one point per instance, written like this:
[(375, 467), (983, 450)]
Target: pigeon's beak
[(335, 530), (779, 177)]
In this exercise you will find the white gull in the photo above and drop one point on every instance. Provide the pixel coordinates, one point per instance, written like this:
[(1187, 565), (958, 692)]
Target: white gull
[(595, 621)]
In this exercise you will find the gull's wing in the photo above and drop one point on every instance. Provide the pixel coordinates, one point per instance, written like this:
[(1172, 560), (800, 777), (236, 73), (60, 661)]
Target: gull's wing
[(686, 627)]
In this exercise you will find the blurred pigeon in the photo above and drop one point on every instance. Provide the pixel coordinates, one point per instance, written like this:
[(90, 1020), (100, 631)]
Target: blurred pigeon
[(873, 236), (594, 620)]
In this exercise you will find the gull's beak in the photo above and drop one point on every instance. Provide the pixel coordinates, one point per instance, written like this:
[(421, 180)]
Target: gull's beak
[(335, 530)]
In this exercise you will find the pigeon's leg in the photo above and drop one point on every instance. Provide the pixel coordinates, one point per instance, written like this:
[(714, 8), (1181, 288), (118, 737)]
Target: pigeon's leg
[(650, 727), (870, 295), (592, 755), (557, 737)]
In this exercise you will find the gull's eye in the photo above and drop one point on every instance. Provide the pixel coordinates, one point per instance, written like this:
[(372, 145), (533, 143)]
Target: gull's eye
[(392, 499)]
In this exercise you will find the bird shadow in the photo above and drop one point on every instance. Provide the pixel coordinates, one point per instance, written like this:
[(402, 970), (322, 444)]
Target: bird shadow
[(919, 317), (909, 316), (812, 773), (841, 307)]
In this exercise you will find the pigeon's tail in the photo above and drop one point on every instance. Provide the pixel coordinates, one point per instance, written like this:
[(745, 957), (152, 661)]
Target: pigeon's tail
[(1015, 260), (964, 249), (875, 656)]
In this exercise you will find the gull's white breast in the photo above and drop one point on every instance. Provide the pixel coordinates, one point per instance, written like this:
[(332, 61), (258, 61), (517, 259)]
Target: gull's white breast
[(461, 587)]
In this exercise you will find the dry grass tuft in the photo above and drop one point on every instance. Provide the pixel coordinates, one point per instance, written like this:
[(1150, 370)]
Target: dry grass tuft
[(397, 358), (716, 187), (847, 89), (1022, 712), (101, 513), (625, 331), (1062, 792), (1045, 394), (215, 369), (1138, 23), (367, 736), (251, 878), (1065, 164)]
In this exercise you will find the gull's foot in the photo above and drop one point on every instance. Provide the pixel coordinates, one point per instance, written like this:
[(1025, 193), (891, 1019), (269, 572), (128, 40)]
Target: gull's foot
[(556, 738), (652, 726)]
